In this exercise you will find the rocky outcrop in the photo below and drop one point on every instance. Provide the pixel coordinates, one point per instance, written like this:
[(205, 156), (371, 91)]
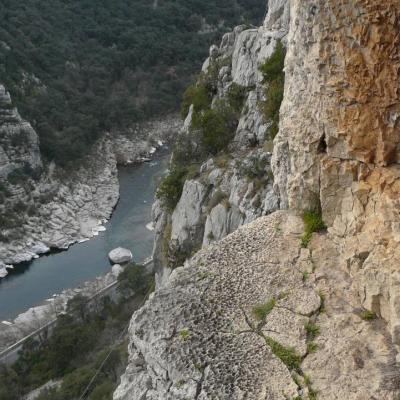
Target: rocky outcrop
[(201, 336), (43, 206), (236, 187), (339, 134), (196, 337), (13, 132)]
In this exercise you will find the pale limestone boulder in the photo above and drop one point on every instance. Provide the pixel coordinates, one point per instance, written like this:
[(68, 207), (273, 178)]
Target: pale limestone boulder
[(120, 255), (187, 216)]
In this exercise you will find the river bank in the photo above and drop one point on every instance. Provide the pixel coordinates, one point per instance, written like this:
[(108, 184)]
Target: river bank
[(33, 286), (65, 207)]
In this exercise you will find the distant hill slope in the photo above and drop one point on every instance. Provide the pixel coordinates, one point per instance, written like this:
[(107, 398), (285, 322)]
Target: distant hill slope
[(78, 68)]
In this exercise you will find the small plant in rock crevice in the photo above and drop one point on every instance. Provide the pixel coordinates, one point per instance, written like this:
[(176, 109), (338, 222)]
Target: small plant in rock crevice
[(311, 347), (313, 222), (184, 334), (217, 198), (367, 315), (260, 312), (312, 330), (287, 355), (170, 189), (236, 96)]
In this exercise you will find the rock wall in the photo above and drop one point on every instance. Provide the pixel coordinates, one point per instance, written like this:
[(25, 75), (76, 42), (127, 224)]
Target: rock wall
[(236, 187), (210, 330), (43, 206), (339, 137), (14, 131)]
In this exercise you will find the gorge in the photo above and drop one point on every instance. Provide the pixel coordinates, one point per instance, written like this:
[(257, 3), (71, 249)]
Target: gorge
[(49, 275), (276, 248)]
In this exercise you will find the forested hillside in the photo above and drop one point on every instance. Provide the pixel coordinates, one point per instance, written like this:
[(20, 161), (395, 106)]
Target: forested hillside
[(78, 68)]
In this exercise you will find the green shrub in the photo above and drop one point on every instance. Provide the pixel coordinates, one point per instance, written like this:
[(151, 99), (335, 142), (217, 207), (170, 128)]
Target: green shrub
[(272, 104), (236, 96), (367, 315), (311, 347), (272, 68), (261, 311), (104, 391), (313, 222), (170, 189), (273, 78), (216, 199), (184, 334), (133, 280), (197, 95), (312, 330), (216, 127), (312, 394), (193, 171), (184, 152)]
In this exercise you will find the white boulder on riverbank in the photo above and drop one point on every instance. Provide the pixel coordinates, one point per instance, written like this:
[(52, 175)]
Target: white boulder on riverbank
[(120, 255)]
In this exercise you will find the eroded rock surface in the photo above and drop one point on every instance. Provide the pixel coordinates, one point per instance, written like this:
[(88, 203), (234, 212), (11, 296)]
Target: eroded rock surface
[(195, 338), (339, 135), (198, 337)]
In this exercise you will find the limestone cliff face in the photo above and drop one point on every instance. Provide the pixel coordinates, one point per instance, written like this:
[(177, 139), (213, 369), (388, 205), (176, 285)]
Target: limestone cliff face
[(19, 144), (43, 206), (235, 188), (211, 331), (339, 137)]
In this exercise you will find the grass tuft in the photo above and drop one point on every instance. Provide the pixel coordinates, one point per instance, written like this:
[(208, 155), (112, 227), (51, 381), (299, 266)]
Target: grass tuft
[(312, 347), (184, 334), (261, 311), (287, 355), (368, 315), (313, 222), (312, 330)]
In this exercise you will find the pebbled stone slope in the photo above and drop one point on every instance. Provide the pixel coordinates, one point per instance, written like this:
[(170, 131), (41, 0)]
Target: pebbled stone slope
[(196, 338)]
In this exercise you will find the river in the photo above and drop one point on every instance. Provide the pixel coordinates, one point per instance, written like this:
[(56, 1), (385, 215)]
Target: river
[(29, 284)]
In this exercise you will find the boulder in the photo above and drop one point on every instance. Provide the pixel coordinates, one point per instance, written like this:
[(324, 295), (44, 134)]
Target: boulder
[(120, 255)]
